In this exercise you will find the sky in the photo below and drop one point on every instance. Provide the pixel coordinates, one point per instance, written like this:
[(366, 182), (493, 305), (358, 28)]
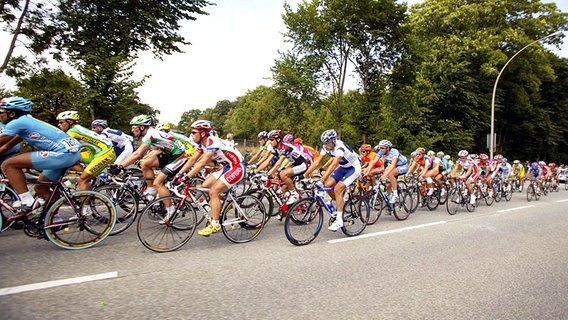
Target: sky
[(232, 50)]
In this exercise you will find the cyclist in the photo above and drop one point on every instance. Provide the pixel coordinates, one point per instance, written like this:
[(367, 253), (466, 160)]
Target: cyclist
[(263, 151), (168, 155), (395, 165), (535, 173), (469, 173), (546, 174), (219, 151), (519, 172), (98, 148), (186, 141), (505, 170), (486, 169), (122, 143), (298, 163), (444, 166), (430, 170), (554, 172), (367, 155), (58, 151), (344, 169)]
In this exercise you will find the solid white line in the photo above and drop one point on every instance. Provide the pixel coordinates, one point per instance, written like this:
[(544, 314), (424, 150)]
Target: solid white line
[(374, 234), (562, 200), (517, 208), (56, 283)]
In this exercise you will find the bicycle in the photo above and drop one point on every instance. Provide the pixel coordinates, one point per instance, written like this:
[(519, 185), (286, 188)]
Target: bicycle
[(459, 197), (242, 219), (74, 220), (481, 191), (304, 219), (533, 192)]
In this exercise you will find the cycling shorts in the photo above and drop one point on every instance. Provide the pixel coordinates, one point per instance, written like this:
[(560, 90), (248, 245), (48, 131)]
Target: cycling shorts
[(54, 164), (346, 175), (230, 176), (403, 169), (100, 162), (171, 164)]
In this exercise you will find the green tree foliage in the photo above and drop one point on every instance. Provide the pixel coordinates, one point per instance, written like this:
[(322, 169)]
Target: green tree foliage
[(441, 90), (187, 118)]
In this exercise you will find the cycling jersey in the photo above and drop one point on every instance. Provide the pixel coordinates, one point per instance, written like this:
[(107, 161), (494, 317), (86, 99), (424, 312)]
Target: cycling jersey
[(349, 157), (120, 140), (505, 169), (371, 156), (99, 150), (392, 154), (484, 167), (165, 142), (229, 157), (187, 143), (534, 173), (519, 170), (292, 153), (465, 165), (12, 150)]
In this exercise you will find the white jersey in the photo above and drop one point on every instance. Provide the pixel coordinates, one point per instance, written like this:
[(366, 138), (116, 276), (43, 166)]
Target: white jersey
[(119, 139), (223, 153), (349, 157)]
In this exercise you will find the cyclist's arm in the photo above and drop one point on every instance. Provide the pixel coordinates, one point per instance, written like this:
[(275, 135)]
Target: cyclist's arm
[(264, 163), (313, 166), (334, 164), (203, 161), (7, 142), (193, 160), (276, 165), (135, 156), (254, 157)]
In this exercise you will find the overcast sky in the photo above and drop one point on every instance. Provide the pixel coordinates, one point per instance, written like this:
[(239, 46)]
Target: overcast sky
[(232, 51)]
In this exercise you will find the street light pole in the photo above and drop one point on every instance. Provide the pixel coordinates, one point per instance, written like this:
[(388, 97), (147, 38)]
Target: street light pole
[(491, 140)]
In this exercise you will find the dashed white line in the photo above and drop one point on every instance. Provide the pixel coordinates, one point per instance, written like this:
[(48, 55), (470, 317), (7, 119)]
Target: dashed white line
[(374, 234), (56, 283), (517, 208)]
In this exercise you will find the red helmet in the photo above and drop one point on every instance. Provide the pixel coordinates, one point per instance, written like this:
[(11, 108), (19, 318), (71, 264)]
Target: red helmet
[(483, 156), (201, 125)]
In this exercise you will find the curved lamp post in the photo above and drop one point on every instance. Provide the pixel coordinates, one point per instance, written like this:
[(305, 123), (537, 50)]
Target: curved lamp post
[(491, 140)]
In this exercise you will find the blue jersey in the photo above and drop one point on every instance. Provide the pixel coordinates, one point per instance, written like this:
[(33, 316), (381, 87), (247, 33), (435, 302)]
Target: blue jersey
[(401, 161), (15, 148), (41, 135), (505, 168)]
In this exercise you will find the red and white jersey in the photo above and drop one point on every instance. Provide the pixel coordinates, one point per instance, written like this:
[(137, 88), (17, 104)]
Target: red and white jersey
[(223, 153), (466, 164)]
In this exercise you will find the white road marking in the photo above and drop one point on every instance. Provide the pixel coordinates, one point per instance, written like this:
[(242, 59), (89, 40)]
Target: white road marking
[(562, 200), (517, 208), (374, 234), (56, 283)]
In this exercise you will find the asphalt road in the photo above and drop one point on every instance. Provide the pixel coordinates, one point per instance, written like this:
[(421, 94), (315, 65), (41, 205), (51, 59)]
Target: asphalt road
[(507, 261)]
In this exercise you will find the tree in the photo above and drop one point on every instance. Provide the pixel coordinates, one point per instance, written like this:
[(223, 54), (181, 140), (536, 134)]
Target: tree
[(329, 36), (187, 118)]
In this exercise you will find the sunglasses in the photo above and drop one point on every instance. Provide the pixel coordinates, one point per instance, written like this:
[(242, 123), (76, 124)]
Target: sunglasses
[(194, 132), (61, 122), (383, 148), (365, 151)]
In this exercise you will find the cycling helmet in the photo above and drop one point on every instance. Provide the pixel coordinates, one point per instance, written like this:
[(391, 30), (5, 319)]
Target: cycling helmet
[(288, 138), (431, 153), (385, 143), (440, 154), (413, 154), (419, 150), (202, 125), (142, 120), (366, 147), (68, 115), (516, 162), (328, 135), (504, 160), (17, 103), (99, 123), (534, 165), (275, 134), (552, 165), (164, 126), (463, 153), (498, 157), (447, 157), (483, 156), (262, 135), (542, 163)]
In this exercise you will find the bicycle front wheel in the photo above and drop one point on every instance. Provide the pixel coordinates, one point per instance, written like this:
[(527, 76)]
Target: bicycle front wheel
[(304, 221), (403, 206), (85, 221), (8, 196), (242, 220), (163, 232), (126, 204), (454, 200), (355, 216)]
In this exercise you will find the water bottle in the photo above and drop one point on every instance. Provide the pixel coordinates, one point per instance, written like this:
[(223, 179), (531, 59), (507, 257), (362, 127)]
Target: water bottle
[(68, 184)]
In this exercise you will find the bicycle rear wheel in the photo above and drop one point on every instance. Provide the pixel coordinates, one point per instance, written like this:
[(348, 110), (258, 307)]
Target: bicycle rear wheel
[(403, 206), (8, 195), (126, 204), (414, 194), (304, 221), (242, 220), (160, 234), (355, 216), (84, 222), (376, 206), (453, 203)]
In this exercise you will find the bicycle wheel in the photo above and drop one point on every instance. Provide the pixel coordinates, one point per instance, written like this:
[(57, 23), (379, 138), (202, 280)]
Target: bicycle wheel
[(159, 234), (488, 200), (81, 223), (403, 206), (443, 198), (414, 194), (266, 200), (304, 221), (454, 200), (433, 200), (242, 220), (470, 207), (126, 204), (530, 193), (376, 205), (497, 194), (508, 194), (356, 214), (8, 196)]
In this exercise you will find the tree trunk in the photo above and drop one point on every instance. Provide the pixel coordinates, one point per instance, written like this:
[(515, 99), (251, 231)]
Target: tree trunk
[(14, 38)]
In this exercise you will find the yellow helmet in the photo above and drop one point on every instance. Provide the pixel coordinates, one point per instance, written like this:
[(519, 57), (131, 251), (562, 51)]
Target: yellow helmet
[(164, 126), (68, 115)]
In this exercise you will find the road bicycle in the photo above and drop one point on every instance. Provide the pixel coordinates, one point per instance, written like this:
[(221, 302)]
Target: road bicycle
[(501, 189), (533, 192), (379, 200), (74, 220), (242, 219), (459, 197), (481, 191), (304, 219)]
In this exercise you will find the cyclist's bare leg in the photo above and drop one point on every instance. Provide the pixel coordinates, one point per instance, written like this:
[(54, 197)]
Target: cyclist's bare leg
[(216, 188), (13, 169), (147, 167), (286, 177), (83, 182), (159, 184), (330, 182), (339, 190)]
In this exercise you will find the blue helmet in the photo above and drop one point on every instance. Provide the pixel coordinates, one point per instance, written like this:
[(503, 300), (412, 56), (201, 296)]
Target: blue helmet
[(17, 103)]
